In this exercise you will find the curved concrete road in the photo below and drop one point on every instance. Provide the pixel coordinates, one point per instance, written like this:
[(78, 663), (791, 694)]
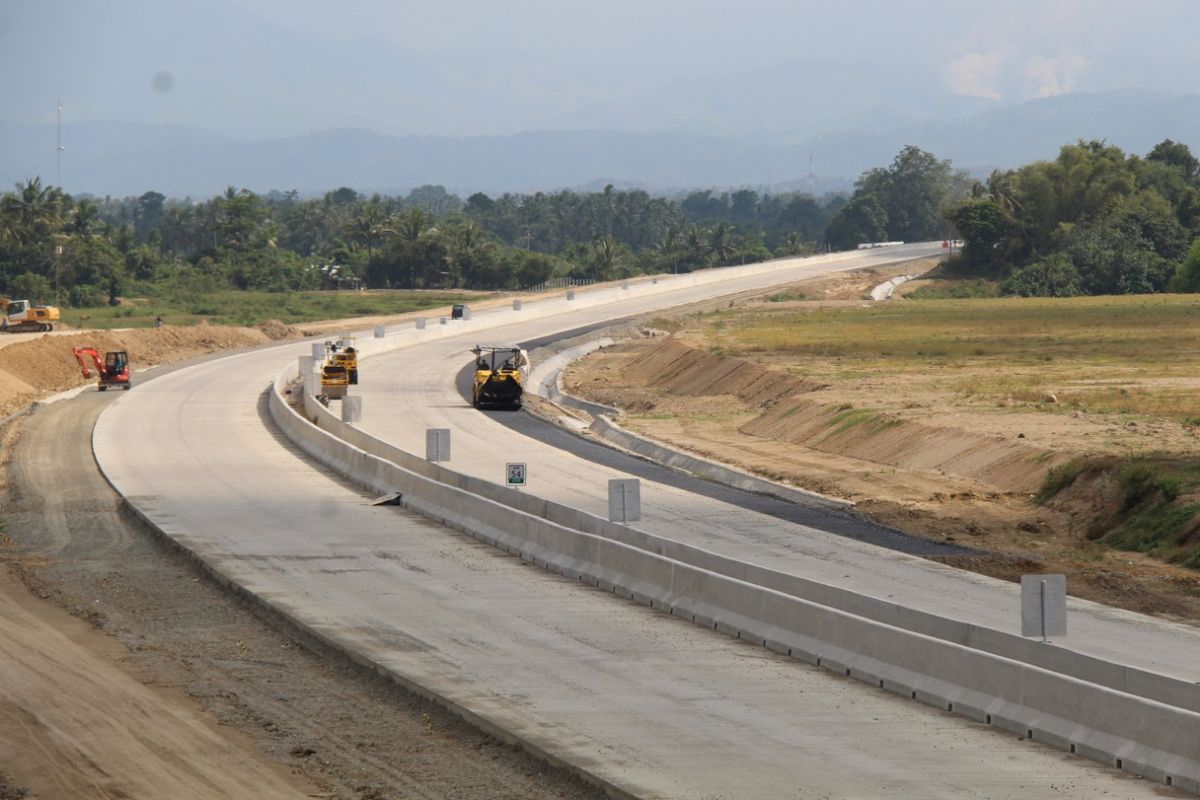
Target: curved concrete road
[(408, 391), (643, 703)]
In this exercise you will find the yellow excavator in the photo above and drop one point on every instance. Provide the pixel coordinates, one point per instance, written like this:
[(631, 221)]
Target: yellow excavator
[(21, 316), (499, 376)]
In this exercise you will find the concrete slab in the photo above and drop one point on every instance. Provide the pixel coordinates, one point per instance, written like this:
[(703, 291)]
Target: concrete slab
[(635, 697)]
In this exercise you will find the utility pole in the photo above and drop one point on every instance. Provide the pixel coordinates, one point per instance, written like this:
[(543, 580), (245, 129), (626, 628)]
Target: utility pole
[(58, 148), (58, 151)]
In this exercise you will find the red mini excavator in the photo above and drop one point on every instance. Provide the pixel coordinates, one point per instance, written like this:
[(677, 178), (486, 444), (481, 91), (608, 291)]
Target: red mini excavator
[(112, 371)]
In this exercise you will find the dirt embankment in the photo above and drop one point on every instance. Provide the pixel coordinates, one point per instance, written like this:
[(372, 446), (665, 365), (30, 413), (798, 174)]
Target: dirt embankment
[(914, 451), (839, 428), (34, 368)]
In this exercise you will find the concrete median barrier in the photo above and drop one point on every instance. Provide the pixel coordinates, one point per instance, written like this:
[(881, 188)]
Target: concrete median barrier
[(1117, 677), (1141, 722), (1140, 735)]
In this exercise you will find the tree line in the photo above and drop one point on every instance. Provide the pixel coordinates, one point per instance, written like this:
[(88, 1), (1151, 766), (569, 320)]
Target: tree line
[(86, 251), (1092, 221)]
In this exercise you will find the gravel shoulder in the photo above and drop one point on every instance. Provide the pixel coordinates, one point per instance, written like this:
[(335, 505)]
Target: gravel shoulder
[(199, 695)]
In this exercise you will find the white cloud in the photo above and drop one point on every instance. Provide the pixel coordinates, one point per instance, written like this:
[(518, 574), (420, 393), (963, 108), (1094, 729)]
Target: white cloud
[(1050, 76), (975, 75)]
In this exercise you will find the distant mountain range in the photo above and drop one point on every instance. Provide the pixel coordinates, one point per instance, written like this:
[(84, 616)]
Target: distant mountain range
[(181, 161), (187, 99)]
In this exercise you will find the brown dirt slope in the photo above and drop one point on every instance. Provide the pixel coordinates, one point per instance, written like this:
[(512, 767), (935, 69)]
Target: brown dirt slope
[(681, 370), (1006, 465), (923, 424), (676, 369), (90, 729), (39, 367)]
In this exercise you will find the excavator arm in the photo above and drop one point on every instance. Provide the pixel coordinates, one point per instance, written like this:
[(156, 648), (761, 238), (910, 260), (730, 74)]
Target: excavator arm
[(94, 354)]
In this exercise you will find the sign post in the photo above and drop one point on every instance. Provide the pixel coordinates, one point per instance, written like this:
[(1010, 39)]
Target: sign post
[(515, 475), (1044, 606), (437, 444)]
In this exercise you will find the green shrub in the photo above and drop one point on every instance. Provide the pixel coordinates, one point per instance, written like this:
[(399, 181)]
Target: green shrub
[(1136, 479), (1152, 530), (1170, 486), (83, 295), (960, 290), (1059, 478), (30, 286), (1055, 276)]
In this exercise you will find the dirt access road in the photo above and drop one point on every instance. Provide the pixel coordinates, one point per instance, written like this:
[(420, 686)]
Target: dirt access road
[(199, 695)]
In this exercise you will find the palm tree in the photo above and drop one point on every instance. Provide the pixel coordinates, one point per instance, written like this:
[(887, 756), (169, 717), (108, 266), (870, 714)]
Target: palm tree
[(1002, 186), (410, 227), (178, 231), (371, 223), (83, 220), (604, 251), (463, 248), (35, 211), (412, 224), (669, 245), (694, 245), (8, 226), (793, 243), (720, 243), (608, 207)]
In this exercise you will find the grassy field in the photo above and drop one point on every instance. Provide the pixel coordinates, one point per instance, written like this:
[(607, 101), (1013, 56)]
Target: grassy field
[(1104, 354), (253, 308), (1127, 363)]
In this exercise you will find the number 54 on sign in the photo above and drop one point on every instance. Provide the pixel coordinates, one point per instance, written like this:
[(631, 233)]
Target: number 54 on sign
[(515, 475)]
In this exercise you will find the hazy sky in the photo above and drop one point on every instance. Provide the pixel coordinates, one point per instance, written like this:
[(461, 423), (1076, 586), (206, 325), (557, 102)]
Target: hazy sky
[(1013, 49), (262, 67)]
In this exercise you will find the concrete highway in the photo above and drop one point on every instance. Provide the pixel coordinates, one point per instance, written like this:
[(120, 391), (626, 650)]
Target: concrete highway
[(421, 382), (643, 703)]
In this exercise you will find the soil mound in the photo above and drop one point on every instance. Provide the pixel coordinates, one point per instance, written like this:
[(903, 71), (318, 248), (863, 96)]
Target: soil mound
[(1007, 465), (675, 368), (678, 369), (43, 366), (276, 330)]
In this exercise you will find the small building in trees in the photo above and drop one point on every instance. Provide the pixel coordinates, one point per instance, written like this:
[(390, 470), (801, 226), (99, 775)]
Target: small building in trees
[(337, 278)]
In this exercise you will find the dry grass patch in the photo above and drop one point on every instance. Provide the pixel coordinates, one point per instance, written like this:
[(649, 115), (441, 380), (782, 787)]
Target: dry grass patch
[(1128, 355), (946, 418)]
